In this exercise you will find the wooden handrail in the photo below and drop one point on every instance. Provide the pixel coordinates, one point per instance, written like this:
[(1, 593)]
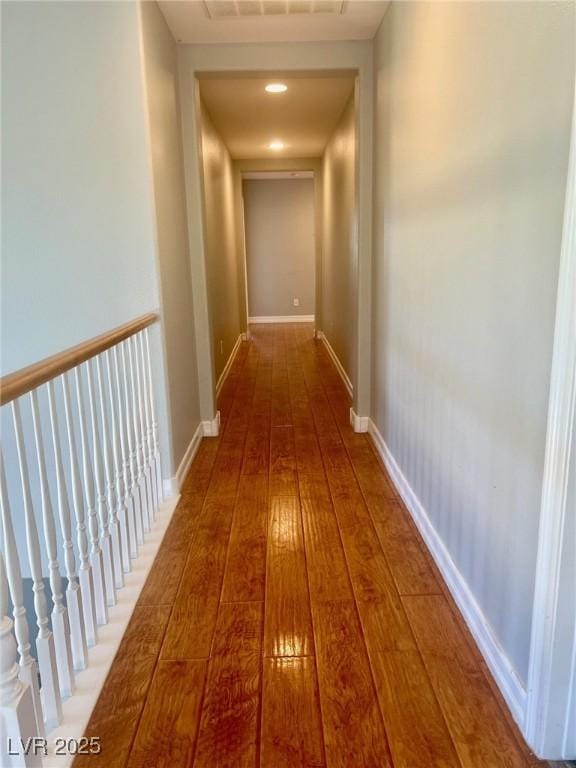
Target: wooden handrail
[(26, 379)]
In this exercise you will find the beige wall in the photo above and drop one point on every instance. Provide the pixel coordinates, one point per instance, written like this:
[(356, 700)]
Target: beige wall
[(339, 241), (474, 104), (280, 250), (279, 164), (160, 65), (222, 267)]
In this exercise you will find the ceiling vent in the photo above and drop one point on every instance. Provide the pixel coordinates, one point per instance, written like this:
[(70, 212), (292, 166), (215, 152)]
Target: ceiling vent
[(229, 9)]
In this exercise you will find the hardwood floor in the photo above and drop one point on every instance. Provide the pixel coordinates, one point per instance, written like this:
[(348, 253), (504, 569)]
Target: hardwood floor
[(293, 617)]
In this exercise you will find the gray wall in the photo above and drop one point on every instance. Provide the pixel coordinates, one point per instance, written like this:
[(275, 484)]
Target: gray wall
[(568, 577), (472, 129), (160, 64), (78, 252), (222, 268), (280, 248), (339, 241), (279, 164)]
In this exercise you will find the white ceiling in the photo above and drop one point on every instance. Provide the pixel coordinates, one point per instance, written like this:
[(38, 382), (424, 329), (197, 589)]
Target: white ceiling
[(248, 119), (259, 21)]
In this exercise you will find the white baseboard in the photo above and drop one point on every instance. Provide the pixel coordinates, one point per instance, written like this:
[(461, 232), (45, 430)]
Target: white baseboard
[(339, 367), (358, 423), (211, 427), (228, 366), (282, 319), (502, 669), (76, 710), (173, 485)]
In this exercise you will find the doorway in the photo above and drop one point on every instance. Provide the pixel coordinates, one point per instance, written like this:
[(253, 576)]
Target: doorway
[(279, 165), (279, 225)]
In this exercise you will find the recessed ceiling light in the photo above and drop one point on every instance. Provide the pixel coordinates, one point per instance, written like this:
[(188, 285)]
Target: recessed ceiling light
[(276, 88), (276, 145)]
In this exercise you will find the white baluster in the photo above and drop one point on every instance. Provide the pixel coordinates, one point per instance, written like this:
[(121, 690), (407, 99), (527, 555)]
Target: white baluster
[(140, 442), (17, 717), (60, 626), (124, 419), (73, 593), (50, 689), (157, 462), (105, 540), (121, 511), (111, 487), (146, 464), (96, 558), (85, 569), (28, 667), (150, 466), (133, 438)]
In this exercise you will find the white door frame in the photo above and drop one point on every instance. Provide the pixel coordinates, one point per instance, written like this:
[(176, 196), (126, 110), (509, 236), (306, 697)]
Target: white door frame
[(551, 691)]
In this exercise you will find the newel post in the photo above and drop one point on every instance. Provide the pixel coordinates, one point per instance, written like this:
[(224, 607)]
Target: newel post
[(18, 726)]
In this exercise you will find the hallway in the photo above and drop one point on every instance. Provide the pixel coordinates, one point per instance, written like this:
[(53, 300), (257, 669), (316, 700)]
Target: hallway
[(293, 617)]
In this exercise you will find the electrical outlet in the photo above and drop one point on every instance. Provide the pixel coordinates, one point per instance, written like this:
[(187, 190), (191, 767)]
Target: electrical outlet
[(221, 347), (296, 302)]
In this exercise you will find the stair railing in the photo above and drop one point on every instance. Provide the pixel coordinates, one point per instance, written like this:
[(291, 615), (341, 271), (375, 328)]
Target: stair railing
[(82, 468)]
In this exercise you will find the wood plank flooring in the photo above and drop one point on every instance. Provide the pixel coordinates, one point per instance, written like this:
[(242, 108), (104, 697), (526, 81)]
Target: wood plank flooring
[(293, 617)]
